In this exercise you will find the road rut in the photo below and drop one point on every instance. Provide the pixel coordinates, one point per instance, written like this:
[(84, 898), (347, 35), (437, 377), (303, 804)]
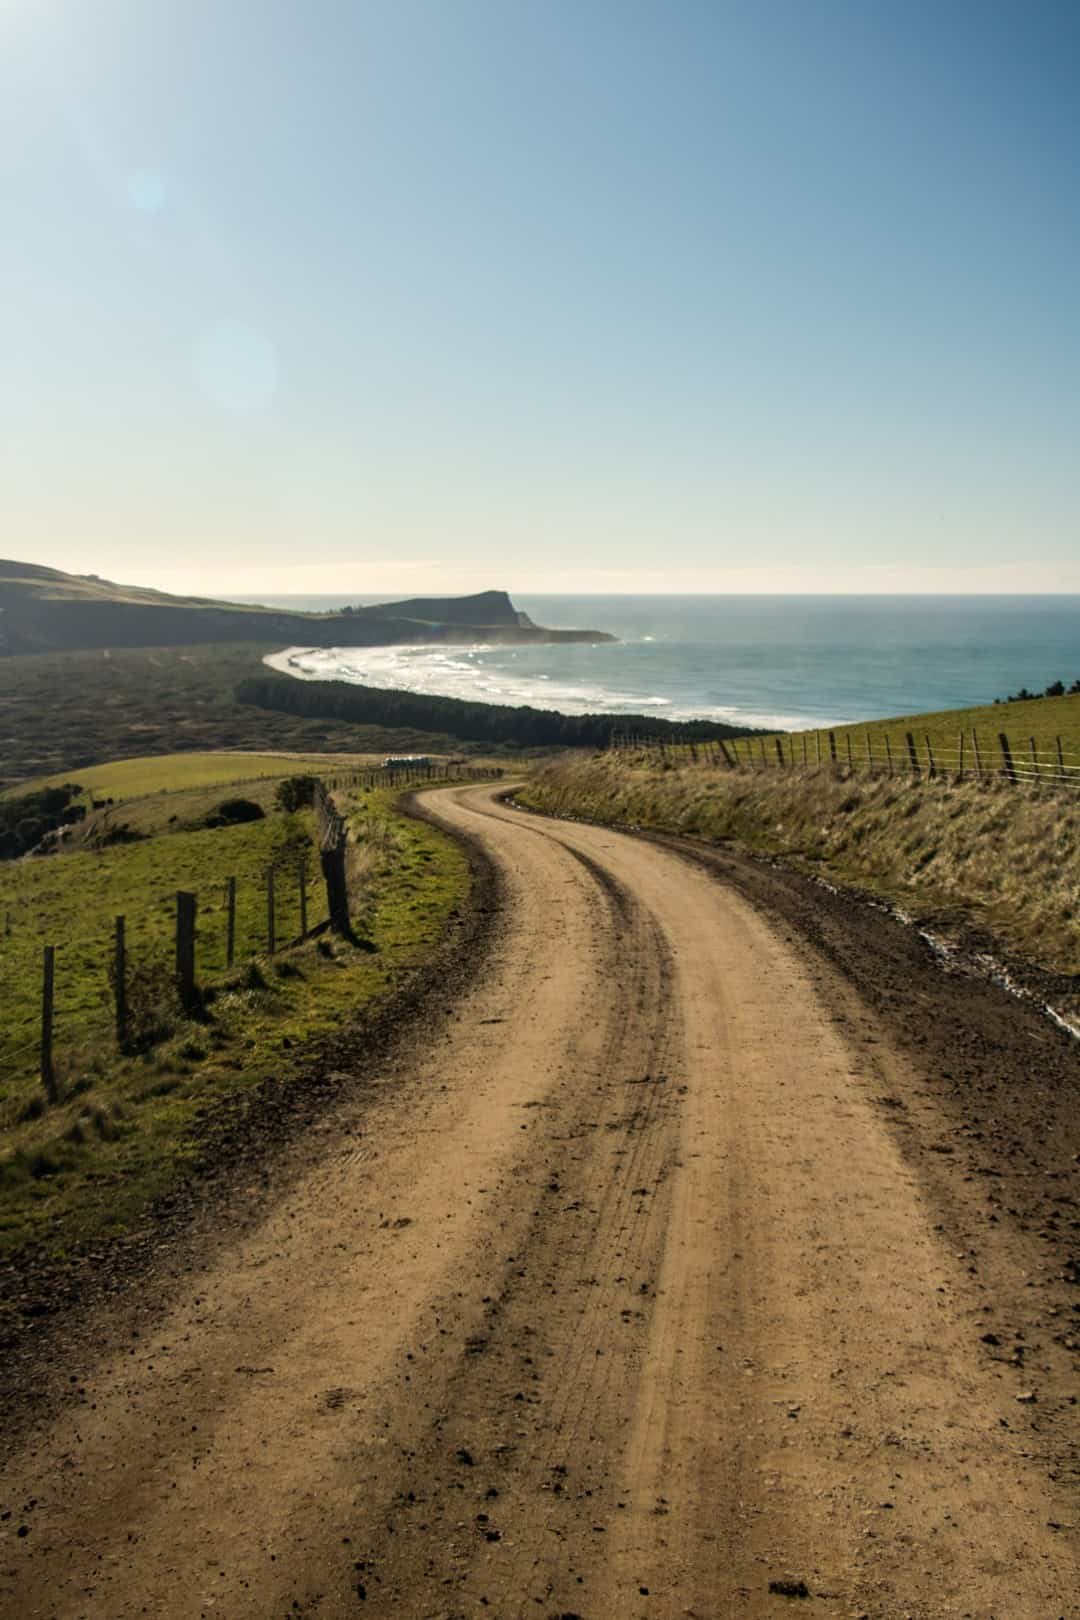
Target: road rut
[(619, 1300)]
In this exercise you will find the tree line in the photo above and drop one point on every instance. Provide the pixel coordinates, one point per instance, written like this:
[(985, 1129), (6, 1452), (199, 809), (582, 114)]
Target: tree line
[(1055, 689), (493, 724)]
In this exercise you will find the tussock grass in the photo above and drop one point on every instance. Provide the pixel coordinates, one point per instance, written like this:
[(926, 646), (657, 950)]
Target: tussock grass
[(1007, 858)]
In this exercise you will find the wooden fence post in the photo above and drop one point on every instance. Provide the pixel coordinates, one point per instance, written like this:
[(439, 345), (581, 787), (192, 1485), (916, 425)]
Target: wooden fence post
[(270, 938), (850, 756), (912, 755), (960, 767), (1034, 759), (230, 924), (120, 983), (975, 751), (779, 751), (302, 880), (804, 750), (931, 762), (869, 756), (333, 839), (185, 950), (832, 746), (337, 895), (48, 980), (1061, 772), (888, 752), (817, 741), (1006, 757)]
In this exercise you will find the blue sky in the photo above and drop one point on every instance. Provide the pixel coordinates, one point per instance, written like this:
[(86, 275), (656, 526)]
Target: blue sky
[(775, 295)]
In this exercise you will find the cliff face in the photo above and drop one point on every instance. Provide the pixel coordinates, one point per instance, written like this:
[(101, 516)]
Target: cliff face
[(487, 607), (44, 610)]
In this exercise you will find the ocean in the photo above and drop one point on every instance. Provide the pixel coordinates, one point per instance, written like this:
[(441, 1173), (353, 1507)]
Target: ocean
[(780, 661)]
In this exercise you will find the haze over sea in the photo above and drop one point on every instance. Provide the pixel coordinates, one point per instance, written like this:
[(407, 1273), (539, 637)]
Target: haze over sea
[(779, 661)]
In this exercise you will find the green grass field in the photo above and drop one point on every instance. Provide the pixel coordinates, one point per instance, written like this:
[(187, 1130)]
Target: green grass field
[(170, 773), (124, 1123), (71, 902)]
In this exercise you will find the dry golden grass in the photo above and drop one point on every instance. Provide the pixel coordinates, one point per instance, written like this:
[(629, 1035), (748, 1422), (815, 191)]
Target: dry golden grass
[(1008, 858)]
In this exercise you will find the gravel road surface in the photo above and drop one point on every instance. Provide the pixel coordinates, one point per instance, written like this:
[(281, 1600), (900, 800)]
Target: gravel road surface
[(642, 1284)]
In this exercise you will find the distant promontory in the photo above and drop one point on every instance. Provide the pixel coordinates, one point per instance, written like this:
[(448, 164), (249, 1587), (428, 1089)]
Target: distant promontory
[(45, 610)]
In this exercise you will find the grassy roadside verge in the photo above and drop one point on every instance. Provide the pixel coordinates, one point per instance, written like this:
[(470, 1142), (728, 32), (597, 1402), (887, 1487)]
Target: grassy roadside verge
[(129, 1127), (1002, 859)]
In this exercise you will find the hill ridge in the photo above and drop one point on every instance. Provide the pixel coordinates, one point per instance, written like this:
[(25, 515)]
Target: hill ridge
[(44, 609)]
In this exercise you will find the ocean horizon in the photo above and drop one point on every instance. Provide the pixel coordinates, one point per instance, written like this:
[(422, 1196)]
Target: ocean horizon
[(779, 661)]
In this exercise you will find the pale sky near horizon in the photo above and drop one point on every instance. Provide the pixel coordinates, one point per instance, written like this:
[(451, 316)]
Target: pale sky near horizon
[(591, 296)]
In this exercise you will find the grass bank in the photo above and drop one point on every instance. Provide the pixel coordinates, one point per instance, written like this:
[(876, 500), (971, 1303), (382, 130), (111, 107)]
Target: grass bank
[(127, 1124), (1003, 858)]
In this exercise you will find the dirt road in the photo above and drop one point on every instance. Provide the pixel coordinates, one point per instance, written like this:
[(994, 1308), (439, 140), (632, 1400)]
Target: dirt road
[(620, 1297)]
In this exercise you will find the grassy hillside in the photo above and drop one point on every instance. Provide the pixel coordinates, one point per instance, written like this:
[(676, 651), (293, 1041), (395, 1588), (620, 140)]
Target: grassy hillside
[(127, 1123), (1002, 857), (1043, 721)]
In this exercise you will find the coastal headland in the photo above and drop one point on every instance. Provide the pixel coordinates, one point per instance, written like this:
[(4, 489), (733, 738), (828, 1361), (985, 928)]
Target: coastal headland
[(47, 610)]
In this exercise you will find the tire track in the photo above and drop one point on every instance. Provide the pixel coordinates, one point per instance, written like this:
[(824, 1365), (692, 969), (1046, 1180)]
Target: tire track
[(615, 1298)]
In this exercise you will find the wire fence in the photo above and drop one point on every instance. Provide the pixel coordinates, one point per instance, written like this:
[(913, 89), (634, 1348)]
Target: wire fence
[(73, 983), (965, 756), (68, 993)]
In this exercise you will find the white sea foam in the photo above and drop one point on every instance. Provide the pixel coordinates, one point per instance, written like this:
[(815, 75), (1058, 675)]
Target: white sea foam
[(487, 674), (460, 672)]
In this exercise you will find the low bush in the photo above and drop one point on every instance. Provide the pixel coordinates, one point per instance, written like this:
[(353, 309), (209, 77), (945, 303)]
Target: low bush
[(232, 812), (296, 792), (27, 819)]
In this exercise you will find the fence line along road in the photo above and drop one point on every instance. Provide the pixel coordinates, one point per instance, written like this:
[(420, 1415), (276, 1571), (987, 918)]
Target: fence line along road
[(119, 958), (970, 757)]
